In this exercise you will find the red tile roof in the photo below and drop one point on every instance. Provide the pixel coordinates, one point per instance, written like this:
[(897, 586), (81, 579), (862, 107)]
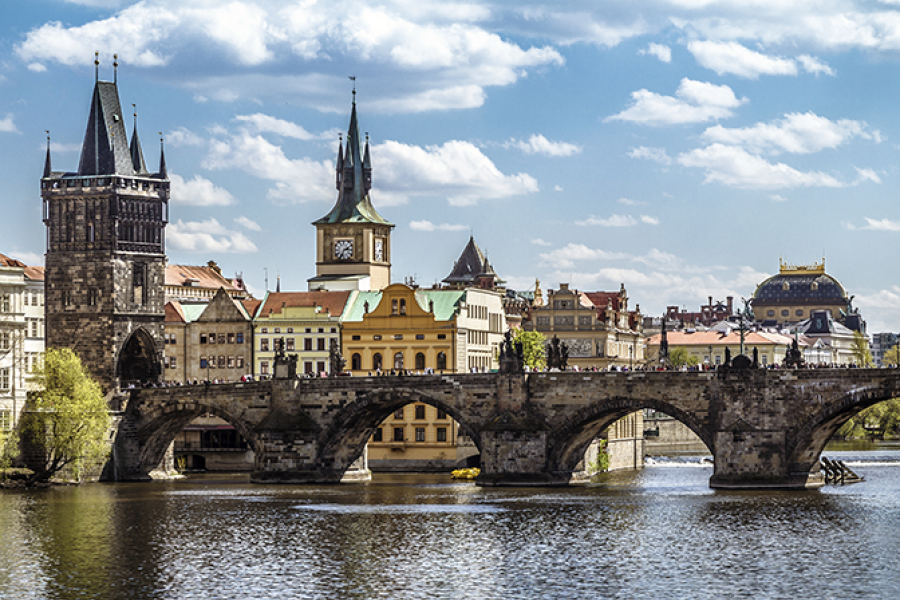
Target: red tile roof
[(208, 277), (333, 302)]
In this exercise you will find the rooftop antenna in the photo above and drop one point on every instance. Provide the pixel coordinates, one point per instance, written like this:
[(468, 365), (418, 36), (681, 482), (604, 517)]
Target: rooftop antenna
[(96, 65), (115, 68)]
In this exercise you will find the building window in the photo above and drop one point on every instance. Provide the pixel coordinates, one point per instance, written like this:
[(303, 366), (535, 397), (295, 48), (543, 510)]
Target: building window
[(307, 367), (799, 312), (239, 337), (320, 366), (398, 360), (442, 434), (356, 362), (334, 330), (230, 362), (420, 411), (212, 338), (442, 336), (221, 338), (264, 330), (264, 344), (321, 330), (398, 336), (785, 313), (240, 362), (441, 414), (222, 362), (264, 367), (378, 435), (203, 362), (307, 344), (278, 330), (202, 338), (4, 378), (441, 361), (420, 434), (394, 309), (770, 313), (398, 434), (402, 306), (4, 340), (4, 303), (376, 362), (94, 297), (289, 344), (230, 338), (320, 344), (290, 330), (376, 338), (355, 338), (398, 414), (5, 420), (420, 361)]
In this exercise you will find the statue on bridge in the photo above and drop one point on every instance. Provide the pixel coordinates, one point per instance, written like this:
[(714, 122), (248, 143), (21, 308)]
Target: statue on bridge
[(512, 355), (557, 354), (793, 357), (285, 365), (338, 362)]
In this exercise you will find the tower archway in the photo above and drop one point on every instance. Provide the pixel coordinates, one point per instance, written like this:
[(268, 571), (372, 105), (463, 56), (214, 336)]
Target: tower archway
[(138, 360)]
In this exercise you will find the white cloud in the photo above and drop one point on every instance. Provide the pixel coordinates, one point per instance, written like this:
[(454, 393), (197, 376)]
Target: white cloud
[(261, 123), (538, 144), (564, 258), (733, 58), (32, 259), (429, 226), (62, 148), (613, 221), (648, 220), (777, 198), (630, 202), (800, 133), (540, 242), (7, 125), (557, 188), (878, 225), (736, 167), (37, 68), (694, 102), (456, 170), (655, 154), (436, 57), (660, 51), (247, 223), (184, 137), (815, 66), (198, 192), (207, 236), (867, 175)]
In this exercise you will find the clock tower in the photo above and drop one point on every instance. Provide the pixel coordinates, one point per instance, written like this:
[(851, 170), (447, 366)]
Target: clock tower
[(353, 242)]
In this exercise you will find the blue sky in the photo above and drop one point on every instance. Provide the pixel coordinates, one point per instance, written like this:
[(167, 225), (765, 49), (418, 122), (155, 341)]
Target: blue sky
[(680, 147)]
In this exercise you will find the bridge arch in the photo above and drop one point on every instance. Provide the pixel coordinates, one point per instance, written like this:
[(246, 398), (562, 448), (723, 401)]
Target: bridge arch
[(569, 440), (160, 425), (345, 438), (805, 446), (138, 359)]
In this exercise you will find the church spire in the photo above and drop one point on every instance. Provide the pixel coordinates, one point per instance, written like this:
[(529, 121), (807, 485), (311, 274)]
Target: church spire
[(162, 158)]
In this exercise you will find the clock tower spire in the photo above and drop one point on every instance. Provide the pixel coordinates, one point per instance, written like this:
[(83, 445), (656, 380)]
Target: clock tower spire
[(353, 240)]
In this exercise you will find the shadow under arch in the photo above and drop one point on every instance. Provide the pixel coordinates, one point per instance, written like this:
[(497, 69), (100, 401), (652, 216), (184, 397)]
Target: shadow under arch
[(568, 442), (139, 360), (806, 445), (344, 440), (160, 427)]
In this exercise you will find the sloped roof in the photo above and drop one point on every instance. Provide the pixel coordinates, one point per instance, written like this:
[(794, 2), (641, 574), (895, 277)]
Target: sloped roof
[(174, 312), (472, 263), (105, 148), (207, 277), (251, 306), (333, 302), (34, 273), (6, 261), (602, 299)]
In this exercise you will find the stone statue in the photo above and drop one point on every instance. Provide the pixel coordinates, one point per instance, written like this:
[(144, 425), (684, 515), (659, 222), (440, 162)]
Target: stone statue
[(511, 357), (557, 354), (366, 307), (337, 361), (727, 357)]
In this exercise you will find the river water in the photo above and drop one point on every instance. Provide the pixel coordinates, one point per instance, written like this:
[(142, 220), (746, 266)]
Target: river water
[(657, 533)]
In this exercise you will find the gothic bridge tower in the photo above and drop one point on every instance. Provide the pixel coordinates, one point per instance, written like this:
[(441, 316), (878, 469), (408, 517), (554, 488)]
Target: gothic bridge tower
[(105, 261), (353, 242)]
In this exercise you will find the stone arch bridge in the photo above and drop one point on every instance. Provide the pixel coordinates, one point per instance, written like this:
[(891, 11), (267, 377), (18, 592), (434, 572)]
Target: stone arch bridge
[(764, 428)]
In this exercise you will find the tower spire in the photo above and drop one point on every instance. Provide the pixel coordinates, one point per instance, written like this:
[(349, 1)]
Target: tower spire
[(162, 158), (137, 155), (47, 170)]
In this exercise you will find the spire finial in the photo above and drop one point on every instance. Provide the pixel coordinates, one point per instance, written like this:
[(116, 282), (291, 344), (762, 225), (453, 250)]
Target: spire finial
[(47, 170), (115, 68), (96, 65), (353, 79), (162, 157)]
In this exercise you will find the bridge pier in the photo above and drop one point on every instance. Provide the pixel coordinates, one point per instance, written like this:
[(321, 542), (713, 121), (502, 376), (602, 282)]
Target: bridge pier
[(515, 452), (757, 460)]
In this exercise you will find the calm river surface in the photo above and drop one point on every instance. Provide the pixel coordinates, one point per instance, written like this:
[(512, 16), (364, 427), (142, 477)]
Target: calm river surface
[(658, 533)]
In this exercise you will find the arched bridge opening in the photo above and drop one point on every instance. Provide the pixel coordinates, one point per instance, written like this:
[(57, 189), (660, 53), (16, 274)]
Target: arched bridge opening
[(569, 441), (398, 422), (138, 361)]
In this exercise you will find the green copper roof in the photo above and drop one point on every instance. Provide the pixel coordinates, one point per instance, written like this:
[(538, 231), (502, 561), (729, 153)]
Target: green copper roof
[(353, 180), (445, 302)]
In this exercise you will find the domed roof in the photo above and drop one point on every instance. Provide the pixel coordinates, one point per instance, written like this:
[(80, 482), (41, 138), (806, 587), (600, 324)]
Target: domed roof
[(800, 285)]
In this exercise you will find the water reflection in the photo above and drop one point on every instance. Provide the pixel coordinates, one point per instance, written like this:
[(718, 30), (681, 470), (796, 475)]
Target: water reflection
[(657, 533)]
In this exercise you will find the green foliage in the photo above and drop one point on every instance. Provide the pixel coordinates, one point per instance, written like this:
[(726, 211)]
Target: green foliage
[(68, 416), (532, 347), (9, 447), (882, 419), (601, 463), (680, 357), (892, 356), (860, 350)]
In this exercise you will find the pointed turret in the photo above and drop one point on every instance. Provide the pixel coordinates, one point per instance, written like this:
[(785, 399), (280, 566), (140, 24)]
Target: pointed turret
[(47, 170), (163, 174), (471, 267), (339, 170), (353, 176), (137, 155)]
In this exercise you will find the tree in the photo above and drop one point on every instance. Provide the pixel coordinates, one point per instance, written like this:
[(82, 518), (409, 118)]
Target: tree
[(680, 357), (892, 356), (881, 419), (859, 348), (68, 416), (532, 347)]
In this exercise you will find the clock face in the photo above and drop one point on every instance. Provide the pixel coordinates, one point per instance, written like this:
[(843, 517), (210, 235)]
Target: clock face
[(343, 249), (379, 250)]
